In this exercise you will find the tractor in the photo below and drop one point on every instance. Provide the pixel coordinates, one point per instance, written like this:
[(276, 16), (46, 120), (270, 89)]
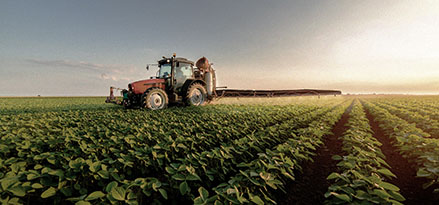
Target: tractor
[(177, 82)]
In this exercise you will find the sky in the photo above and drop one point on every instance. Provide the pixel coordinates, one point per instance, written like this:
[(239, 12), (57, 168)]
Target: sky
[(82, 47)]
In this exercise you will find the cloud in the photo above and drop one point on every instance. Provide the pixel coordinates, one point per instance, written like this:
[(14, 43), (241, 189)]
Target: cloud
[(112, 72), (66, 63)]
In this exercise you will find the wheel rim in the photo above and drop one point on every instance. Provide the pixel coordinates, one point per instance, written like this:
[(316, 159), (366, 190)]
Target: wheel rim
[(156, 101), (197, 97)]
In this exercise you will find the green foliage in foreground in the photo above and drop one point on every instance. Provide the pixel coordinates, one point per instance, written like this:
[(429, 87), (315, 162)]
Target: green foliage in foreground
[(95, 154), (413, 143), (82, 151), (363, 170)]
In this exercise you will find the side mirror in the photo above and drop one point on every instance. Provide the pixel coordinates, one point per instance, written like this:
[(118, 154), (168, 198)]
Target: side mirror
[(147, 67)]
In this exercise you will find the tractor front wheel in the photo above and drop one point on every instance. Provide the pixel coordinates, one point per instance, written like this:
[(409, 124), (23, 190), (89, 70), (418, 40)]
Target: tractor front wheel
[(155, 99), (196, 95)]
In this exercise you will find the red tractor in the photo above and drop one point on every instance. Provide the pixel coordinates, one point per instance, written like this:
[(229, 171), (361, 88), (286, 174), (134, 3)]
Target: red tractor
[(177, 81)]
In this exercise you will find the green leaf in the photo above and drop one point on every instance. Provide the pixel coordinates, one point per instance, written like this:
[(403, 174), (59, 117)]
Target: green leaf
[(131, 196), (198, 200), (379, 159), (386, 172), (217, 203), (423, 173), (163, 193), (256, 200), (48, 193), (336, 157), (389, 186), (18, 191), (67, 191), (32, 176), (178, 177), (38, 166), (95, 166), (231, 191), (395, 202), (333, 175), (110, 186), (37, 186), (95, 195), (381, 193), (203, 193), (14, 200), (343, 197), (396, 195), (193, 177), (82, 203), (8, 182), (118, 193), (169, 170), (184, 188), (57, 172), (103, 173), (156, 185), (360, 194), (428, 184)]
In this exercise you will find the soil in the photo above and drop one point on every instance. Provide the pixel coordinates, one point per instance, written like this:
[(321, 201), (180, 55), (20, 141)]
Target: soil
[(310, 186), (410, 185)]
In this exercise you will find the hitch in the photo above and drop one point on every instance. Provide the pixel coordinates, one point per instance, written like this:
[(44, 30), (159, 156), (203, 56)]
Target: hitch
[(112, 98)]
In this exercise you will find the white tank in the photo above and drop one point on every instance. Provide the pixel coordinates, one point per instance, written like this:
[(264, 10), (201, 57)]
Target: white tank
[(209, 78)]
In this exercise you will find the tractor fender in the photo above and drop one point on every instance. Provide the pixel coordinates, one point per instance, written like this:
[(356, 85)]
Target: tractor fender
[(147, 90), (187, 84)]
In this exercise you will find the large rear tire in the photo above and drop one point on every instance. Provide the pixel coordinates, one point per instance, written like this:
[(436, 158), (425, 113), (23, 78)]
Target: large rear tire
[(196, 95), (155, 99)]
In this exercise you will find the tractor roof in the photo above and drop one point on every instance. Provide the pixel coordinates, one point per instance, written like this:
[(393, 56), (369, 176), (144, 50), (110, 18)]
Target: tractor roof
[(177, 59)]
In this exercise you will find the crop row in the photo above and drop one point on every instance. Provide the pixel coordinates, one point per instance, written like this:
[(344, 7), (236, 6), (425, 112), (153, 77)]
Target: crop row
[(428, 103), (412, 142), (362, 171), (422, 121), (421, 109), (20, 105), (215, 165), (135, 156), (273, 168), (212, 124)]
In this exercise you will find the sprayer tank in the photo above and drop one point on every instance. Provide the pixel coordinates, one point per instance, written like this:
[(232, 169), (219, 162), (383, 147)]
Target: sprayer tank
[(209, 78)]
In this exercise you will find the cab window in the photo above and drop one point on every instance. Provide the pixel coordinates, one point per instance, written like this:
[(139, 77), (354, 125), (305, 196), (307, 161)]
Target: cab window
[(165, 71), (184, 70)]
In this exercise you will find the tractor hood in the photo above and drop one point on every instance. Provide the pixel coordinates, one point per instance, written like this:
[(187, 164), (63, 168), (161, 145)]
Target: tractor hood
[(139, 87)]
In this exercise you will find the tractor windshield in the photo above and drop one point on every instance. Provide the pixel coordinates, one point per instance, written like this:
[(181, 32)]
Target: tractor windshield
[(165, 71)]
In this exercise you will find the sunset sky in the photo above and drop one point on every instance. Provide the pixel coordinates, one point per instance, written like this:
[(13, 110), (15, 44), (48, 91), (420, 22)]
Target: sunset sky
[(83, 47)]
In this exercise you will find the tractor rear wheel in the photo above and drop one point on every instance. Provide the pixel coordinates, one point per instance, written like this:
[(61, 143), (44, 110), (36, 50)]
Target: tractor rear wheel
[(196, 95), (155, 99)]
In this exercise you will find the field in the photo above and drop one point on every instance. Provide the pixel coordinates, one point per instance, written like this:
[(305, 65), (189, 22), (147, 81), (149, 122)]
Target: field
[(296, 150)]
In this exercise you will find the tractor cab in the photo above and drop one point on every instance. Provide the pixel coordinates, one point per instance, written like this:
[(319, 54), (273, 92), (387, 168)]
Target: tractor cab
[(175, 72)]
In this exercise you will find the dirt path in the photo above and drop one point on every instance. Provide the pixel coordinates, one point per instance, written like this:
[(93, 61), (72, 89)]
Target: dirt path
[(411, 187), (310, 186)]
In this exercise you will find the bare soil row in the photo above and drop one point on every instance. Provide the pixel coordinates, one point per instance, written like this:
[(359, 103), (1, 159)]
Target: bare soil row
[(311, 185)]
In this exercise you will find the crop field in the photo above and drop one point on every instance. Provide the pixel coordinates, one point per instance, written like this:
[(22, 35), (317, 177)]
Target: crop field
[(295, 150)]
